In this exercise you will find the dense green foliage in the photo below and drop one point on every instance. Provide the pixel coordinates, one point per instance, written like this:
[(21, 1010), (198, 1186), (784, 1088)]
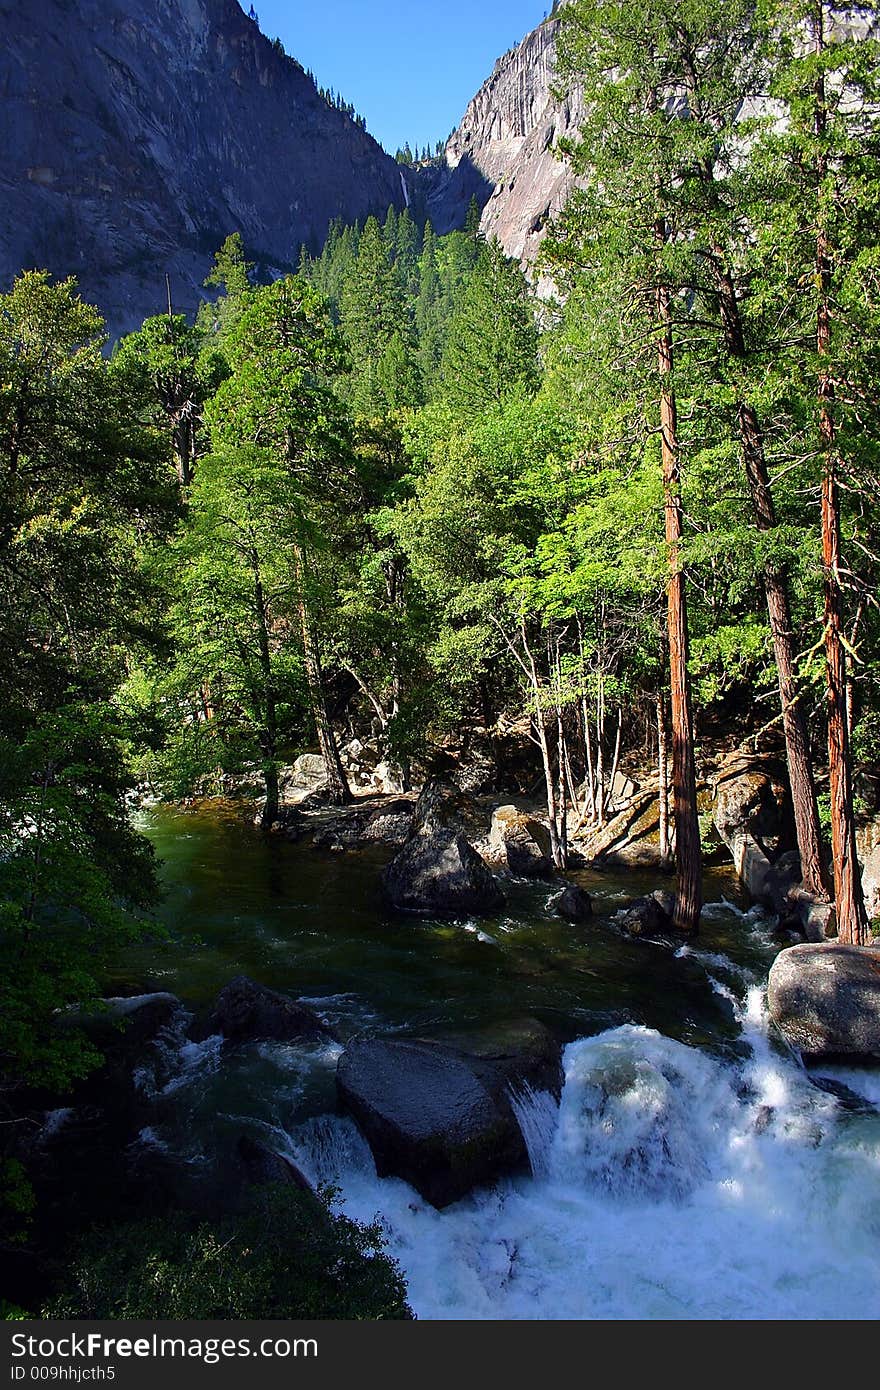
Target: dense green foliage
[(287, 1256), (86, 492)]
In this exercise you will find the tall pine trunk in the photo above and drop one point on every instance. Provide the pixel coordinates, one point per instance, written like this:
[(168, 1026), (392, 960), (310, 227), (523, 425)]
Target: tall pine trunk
[(852, 924), (794, 724), (689, 895), (663, 781)]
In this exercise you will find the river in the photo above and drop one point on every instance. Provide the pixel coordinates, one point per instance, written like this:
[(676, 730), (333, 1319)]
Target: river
[(693, 1169)]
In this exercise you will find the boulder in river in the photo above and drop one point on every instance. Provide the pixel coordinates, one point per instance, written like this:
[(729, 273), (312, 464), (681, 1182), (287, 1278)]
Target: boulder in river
[(245, 1011), (825, 998), (519, 842), (574, 904), (438, 872), (438, 1118), (648, 916), (509, 1056), (262, 1165)]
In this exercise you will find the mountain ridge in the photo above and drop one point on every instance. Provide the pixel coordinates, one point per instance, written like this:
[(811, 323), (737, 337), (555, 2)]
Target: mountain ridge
[(139, 133)]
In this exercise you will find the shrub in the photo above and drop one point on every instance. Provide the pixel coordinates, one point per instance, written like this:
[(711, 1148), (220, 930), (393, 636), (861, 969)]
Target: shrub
[(286, 1255)]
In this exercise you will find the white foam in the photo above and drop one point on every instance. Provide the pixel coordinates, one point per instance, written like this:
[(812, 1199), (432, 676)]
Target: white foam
[(861, 1081), (670, 1184)]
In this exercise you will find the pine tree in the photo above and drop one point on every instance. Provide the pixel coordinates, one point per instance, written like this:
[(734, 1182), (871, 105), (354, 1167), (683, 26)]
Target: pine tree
[(431, 312), (819, 230), (372, 314), (636, 151), (279, 441), (492, 346)]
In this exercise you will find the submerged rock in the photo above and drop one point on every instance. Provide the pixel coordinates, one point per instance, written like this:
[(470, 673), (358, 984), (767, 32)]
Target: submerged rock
[(126, 1024), (246, 1010), (574, 904), (439, 872), (825, 998), (509, 1056)]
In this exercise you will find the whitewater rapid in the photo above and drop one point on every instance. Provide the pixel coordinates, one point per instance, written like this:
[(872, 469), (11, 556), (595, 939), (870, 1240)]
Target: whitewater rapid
[(668, 1183)]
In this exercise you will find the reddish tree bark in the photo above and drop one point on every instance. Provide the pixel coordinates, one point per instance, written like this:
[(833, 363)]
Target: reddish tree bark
[(688, 860), (852, 922)]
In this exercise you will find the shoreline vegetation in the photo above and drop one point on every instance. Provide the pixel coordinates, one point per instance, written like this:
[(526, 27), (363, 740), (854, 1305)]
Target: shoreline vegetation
[(398, 556)]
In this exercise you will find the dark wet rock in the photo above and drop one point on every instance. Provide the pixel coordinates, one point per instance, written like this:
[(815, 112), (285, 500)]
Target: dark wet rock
[(844, 1095), (263, 1165), (574, 904), (343, 830), (510, 1056), (647, 916), (428, 1117), (246, 1011), (288, 824), (665, 900), (520, 843), (130, 1022), (438, 872), (825, 998)]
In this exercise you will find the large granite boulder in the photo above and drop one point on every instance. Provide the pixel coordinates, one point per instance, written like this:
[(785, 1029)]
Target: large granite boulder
[(438, 872), (825, 998), (509, 1056), (306, 779), (870, 851), (440, 1118), (520, 843), (750, 813), (245, 1011), (123, 1026)]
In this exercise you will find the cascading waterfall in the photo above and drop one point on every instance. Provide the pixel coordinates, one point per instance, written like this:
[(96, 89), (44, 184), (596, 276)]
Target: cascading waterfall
[(668, 1183)]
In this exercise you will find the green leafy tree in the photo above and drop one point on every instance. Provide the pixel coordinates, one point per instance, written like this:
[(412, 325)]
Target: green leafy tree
[(83, 493), (281, 451), (169, 367), (817, 242), (286, 1255)]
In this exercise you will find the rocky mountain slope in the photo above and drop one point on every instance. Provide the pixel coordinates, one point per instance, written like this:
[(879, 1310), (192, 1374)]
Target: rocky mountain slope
[(503, 152), (136, 134)]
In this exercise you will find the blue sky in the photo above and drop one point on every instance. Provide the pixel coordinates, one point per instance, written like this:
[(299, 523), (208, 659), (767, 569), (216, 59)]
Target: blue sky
[(409, 68)]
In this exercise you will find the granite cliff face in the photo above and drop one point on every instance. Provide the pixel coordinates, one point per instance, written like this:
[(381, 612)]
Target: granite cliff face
[(136, 134), (503, 152)]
